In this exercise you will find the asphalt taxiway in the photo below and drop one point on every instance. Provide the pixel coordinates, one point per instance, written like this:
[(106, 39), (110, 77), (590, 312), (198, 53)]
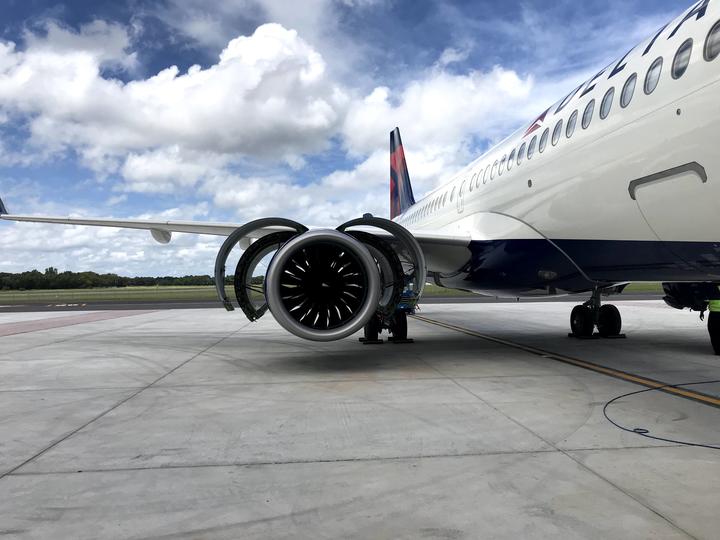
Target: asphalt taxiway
[(156, 423)]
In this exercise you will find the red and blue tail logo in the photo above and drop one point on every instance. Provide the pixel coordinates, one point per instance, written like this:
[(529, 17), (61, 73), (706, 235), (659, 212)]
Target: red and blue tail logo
[(401, 194)]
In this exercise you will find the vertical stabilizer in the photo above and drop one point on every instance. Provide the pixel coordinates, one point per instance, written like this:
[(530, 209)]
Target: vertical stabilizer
[(401, 194), (3, 210)]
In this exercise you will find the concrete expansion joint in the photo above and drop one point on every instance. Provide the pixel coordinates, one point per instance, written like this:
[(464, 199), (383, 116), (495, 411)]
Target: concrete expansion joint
[(118, 404), (247, 464)]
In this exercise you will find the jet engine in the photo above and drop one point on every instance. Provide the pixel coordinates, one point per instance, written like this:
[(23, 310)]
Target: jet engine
[(326, 284), (323, 285)]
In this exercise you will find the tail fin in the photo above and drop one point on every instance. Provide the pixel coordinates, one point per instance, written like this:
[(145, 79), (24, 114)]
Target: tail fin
[(3, 210), (401, 194)]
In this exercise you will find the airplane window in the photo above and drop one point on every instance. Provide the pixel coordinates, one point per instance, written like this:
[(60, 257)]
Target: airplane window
[(486, 174), (712, 43), (461, 192), (531, 148), (472, 182), (682, 59), (479, 177), (494, 170), (544, 140), (628, 91), (588, 114), (502, 165), (557, 132), (606, 104), (444, 199), (572, 122), (521, 153), (511, 159), (653, 76), (452, 194)]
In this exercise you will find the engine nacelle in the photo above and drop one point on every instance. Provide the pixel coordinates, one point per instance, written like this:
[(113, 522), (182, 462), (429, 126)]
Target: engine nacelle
[(323, 285)]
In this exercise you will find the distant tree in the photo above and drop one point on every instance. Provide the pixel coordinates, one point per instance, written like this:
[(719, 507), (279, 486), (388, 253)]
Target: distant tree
[(52, 279)]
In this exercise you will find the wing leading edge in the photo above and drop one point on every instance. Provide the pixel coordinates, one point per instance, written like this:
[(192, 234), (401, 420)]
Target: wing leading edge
[(193, 227), (436, 245)]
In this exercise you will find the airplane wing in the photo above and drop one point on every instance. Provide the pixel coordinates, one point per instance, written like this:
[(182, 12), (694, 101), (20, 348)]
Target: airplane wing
[(193, 227), (437, 246)]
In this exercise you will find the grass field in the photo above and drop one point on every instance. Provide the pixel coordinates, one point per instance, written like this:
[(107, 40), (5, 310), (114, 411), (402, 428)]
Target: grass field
[(183, 294)]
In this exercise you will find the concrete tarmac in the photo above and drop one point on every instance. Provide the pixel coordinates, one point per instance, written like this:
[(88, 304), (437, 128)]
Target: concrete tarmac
[(213, 304), (197, 424)]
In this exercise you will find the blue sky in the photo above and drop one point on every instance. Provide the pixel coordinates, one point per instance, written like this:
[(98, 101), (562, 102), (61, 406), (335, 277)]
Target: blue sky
[(227, 111)]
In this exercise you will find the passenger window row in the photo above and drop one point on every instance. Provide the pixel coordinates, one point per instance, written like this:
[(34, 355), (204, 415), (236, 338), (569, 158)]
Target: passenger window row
[(680, 64)]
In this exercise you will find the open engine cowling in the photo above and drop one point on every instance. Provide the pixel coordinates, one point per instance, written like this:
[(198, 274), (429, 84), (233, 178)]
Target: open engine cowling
[(323, 285)]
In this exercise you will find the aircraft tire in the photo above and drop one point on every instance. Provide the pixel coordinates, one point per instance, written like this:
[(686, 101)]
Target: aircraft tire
[(609, 321), (400, 327), (581, 321), (371, 330)]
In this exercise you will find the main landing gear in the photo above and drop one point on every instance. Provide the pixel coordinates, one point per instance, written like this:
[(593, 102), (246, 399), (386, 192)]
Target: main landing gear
[(397, 326), (585, 317)]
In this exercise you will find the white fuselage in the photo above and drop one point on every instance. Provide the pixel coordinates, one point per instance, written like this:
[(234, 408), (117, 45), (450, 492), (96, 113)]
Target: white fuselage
[(579, 187)]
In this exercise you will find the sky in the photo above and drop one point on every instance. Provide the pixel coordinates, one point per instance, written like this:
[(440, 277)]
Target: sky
[(237, 109)]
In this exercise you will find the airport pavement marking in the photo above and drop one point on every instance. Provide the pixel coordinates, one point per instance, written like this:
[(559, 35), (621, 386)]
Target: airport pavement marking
[(660, 386), (36, 325)]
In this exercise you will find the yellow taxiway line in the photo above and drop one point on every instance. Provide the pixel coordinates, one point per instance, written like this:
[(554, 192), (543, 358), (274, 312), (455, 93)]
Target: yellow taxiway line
[(597, 368)]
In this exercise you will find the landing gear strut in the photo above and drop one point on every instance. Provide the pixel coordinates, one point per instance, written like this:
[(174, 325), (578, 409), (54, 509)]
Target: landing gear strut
[(585, 317)]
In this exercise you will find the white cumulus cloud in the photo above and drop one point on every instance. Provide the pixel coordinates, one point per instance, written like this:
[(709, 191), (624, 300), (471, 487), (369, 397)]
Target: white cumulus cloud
[(266, 96)]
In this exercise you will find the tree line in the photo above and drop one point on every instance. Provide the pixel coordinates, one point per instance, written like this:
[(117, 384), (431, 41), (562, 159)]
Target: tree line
[(52, 279)]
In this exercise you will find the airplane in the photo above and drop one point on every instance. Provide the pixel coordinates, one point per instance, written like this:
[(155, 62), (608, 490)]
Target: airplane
[(617, 182)]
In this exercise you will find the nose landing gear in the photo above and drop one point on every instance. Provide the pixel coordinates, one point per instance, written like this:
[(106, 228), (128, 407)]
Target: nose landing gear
[(585, 317)]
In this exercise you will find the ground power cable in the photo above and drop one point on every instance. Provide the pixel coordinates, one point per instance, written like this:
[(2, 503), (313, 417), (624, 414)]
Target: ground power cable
[(643, 432)]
